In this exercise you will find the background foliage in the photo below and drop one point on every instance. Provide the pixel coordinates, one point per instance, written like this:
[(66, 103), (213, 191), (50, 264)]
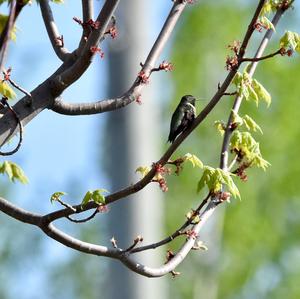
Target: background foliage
[(258, 254)]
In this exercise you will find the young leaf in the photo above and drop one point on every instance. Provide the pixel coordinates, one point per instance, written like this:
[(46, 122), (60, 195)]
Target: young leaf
[(98, 197), (290, 40), (194, 160), (87, 198), (267, 23), (206, 177), (143, 170), (6, 90), (220, 126), (251, 124), (228, 181), (261, 92), (237, 119), (13, 171), (56, 196), (215, 178), (95, 196)]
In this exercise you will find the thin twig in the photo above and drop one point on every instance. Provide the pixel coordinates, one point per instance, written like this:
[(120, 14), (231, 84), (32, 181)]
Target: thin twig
[(14, 84), (4, 102), (255, 59), (177, 233), (85, 219), (7, 32)]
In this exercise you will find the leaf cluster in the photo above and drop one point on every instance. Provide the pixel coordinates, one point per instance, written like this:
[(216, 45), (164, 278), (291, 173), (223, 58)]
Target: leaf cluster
[(13, 171), (250, 89), (96, 196), (215, 179), (247, 149)]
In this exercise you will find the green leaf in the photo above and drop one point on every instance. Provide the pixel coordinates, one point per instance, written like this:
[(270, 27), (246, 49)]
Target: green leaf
[(18, 174), (194, 160), (267, 23), (98, 197), (215, 178), (228, 181), (143, 170), (6, 90), (14, 172), (95, 196), (206, 177), (237, 119), (245, 144), (220, 126), (251, 124), (236, 139), (3, 21), (290, 40), (56, 196), (261, 92), (87, 198), (267, 8)]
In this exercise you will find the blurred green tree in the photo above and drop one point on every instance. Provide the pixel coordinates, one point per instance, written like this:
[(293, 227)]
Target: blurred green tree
[(258, 256)]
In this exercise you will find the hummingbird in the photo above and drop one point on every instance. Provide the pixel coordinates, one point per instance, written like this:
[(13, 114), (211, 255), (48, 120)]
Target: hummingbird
[(182, 117)]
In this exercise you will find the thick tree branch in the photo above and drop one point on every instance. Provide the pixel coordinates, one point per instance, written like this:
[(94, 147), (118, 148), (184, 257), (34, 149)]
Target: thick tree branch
[(52, 30), (43, 96), (134, 91), (84, 59)]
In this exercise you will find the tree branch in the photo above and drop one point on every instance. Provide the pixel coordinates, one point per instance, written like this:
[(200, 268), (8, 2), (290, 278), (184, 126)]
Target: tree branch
[(134, 91), (52, 30), (238, 99), (87, 14), (44, 222), (7, 32), (255, 59)]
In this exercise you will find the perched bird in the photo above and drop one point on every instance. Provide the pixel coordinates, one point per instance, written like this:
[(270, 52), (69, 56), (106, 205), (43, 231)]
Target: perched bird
[(183, 116)]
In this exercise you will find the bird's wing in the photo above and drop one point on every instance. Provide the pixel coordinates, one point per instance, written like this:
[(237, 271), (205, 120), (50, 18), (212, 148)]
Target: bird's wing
[(175, 123)]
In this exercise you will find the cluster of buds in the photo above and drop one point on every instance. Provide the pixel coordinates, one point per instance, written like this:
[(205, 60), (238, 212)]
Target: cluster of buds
[(235, 46), (223, 196), (231, 62), (112, 31), (191, 234), (138, 99), (285, 4), (90, 23), (103, 209), (143, 77), (258, 26), (163, 184), (166, 66), (160, 172), (288, 52), (95, 50), (241, 171), (6, 74)]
